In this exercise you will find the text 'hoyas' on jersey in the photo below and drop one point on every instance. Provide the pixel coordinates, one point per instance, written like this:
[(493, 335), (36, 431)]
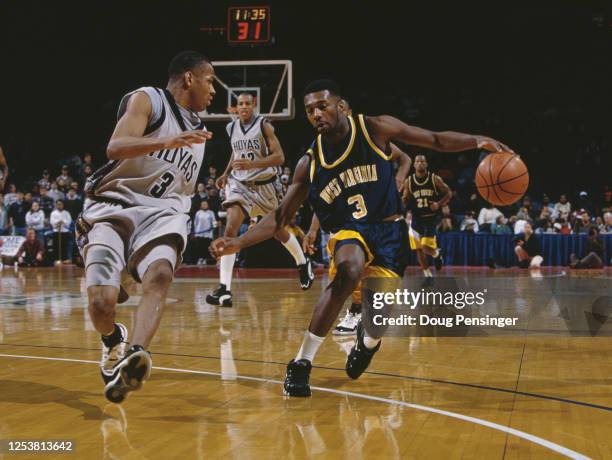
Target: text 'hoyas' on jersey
[(181, 158)]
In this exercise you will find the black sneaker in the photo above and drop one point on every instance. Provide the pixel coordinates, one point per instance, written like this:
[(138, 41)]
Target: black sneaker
[(130, 374), (360, 356), (221, 296), (438, 261), (306, 274), (298, 375), (428, 282)]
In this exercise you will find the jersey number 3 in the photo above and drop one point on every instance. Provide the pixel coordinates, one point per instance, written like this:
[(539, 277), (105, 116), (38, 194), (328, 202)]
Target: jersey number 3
[(357, 200), (158, 190)]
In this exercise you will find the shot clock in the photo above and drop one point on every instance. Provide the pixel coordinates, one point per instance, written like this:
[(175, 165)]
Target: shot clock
[(248, 24)]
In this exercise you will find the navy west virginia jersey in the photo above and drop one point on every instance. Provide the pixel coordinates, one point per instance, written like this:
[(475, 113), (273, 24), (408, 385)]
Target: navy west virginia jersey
[(354, 183), (423, 192)]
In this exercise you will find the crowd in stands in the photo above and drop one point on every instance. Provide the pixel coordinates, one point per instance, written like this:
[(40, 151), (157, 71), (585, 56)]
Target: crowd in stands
[(46, 211)]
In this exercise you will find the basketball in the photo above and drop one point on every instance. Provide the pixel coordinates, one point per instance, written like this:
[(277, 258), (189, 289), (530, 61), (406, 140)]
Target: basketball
[(502, 178)]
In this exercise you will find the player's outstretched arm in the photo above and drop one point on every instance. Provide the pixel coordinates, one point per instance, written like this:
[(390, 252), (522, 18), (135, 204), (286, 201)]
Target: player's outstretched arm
[(276, 156), (385, 128), (127, 140), (267, 227), (404, 165)]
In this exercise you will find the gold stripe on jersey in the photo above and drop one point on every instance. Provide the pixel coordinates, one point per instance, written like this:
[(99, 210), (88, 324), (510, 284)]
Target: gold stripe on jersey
[(420, 183), (346, 152), (372, 144), (312, 164)]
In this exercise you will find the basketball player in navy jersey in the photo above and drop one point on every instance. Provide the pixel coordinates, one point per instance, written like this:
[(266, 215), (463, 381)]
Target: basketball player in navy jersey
[(425, 194), (348, 324), (348, 178), (253, 189)]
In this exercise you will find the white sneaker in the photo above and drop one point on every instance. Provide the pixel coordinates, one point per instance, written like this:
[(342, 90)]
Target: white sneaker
[(111, 356), (348, 325)]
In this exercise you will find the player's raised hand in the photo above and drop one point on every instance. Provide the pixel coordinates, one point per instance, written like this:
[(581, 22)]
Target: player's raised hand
[(224, 246), (221, 181), (188, 138), (308, 243), (492, 145)]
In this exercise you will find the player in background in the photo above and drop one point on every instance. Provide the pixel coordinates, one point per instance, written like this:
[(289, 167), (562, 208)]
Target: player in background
[(425, 194), (253, 189)]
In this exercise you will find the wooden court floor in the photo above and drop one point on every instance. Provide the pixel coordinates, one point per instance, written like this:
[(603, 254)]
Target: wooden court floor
[(216, 388)]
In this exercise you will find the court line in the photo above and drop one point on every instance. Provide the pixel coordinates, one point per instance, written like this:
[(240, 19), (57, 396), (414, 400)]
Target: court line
[(518, 433), (382, 374)]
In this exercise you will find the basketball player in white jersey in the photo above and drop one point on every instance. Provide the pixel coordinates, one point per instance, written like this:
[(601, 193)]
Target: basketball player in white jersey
[(136, 212), (253, 189)]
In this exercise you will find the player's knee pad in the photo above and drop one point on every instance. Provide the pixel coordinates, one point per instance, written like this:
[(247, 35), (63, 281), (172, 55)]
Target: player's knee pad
[(103, 266)]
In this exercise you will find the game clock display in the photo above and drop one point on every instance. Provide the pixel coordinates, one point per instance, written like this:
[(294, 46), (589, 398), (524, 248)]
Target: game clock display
[(248, 24)]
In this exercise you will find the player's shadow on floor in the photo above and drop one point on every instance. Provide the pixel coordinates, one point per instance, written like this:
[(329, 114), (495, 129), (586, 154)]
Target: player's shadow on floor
[(20, 392)]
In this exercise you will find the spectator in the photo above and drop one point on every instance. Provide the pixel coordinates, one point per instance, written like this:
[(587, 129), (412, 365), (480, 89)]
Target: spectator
[(469, 224), (522, 218), (584, 202), (17, 213), (74, 185), (11, 196), (214, 202), (87, 171), (60, 223), (86, 167), (527, 249), (54, 193), (448, 223), (488, 217), (31, 252), (562, 208), (212, 174), (545, 217), (547, 205), (527, 208), (204, 232), (197, 199), (64, 176), (35, 219), (62, 186), (3, 217), (545, 227), (593, 250), (501, 227), (44, 181), (36, 193), (73, 204), (46, 202), (607, 224), (583, 222)]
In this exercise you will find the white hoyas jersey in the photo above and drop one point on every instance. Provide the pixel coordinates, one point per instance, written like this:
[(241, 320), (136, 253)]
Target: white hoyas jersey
[(163, 179), (249, 142)]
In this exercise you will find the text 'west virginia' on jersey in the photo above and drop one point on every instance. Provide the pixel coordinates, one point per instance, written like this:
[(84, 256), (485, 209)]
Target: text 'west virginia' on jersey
[(353, 183), (162, 179)]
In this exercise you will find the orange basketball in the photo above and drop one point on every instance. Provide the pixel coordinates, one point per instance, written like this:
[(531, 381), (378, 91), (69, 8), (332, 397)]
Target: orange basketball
[(502, 178)]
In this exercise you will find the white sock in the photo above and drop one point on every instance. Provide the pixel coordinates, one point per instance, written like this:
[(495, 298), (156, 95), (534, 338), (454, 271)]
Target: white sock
[(309, 347), (294, 248), (427, 272), (227, 267), (370, 342)]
